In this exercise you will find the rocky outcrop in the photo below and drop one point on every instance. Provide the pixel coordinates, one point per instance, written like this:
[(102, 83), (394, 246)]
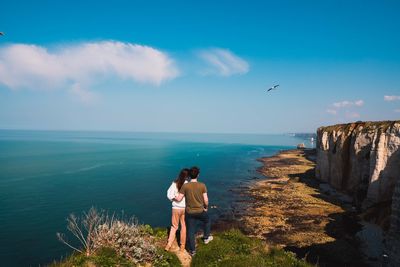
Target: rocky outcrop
[(392, 257), (361, 159)]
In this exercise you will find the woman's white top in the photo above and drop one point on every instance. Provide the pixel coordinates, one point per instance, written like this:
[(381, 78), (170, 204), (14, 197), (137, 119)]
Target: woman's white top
[(173, 192)]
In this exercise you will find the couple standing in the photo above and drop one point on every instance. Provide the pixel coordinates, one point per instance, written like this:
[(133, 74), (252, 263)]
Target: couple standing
[(189, 206)]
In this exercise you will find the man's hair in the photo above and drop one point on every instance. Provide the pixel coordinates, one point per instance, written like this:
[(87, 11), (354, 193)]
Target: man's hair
[(194, 172)]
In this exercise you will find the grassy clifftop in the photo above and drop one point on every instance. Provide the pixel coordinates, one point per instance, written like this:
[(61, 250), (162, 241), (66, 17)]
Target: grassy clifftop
[(366, 126), (229, 248), (232, 248), (108, 257)]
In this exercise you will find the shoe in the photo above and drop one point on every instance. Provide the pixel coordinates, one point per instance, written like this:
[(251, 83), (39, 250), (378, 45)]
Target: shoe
[(208, 239), (192, 253), (167, 247)]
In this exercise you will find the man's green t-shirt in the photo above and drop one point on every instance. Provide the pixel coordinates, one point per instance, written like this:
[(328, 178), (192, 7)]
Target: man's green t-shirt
[(193, 192)]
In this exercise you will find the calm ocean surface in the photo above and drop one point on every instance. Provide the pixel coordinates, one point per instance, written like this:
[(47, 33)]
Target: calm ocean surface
[(46, 175)]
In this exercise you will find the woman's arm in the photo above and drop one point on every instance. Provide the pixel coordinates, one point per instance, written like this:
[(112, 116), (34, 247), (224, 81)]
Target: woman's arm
[(171, 193)]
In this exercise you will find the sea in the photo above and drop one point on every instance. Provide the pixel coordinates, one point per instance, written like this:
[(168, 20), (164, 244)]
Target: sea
[(47, 175)]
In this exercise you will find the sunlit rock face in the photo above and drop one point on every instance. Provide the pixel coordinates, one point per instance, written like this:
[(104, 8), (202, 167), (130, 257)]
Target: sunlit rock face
[(361, 159)]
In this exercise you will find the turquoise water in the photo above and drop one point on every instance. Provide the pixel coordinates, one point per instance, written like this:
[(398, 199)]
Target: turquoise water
[(46, 175)]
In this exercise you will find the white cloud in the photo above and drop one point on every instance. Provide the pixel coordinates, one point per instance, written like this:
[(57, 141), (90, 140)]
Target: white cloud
[(332, 111), (359, 103), (391, 97), (352, 115), (71, 66), (347, 103), (336, 108), (223, 62)]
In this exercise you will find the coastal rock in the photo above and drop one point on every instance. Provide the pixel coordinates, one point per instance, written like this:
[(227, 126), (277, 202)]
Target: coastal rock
[(301, 146), (393, 237), (361, 159)]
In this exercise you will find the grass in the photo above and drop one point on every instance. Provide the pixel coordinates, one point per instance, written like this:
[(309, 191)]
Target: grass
[(107, 257), (168, 259), (367, 126), (232, 248)]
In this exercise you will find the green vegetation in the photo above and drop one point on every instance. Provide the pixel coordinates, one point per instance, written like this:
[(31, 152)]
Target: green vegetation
[(113, 240), (367, 126), (232, 248), (108, 241), (168, 259), (107, 257)]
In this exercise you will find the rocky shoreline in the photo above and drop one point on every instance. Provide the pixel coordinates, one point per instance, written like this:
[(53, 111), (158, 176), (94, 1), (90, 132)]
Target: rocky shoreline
[(292, 210)]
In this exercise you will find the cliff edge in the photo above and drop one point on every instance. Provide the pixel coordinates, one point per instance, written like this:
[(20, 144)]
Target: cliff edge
[(361, 159)]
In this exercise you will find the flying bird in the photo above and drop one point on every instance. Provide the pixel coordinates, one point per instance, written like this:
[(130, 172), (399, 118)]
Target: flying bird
[(273, 87)]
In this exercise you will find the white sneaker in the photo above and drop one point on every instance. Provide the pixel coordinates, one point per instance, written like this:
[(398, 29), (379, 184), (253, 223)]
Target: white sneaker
[(208, 240)]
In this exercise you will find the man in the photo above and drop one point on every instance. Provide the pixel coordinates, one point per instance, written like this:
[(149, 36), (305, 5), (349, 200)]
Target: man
[(196, 197)]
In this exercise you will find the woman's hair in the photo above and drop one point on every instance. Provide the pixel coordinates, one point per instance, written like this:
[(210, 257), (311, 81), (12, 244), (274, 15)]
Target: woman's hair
[(181, 178)]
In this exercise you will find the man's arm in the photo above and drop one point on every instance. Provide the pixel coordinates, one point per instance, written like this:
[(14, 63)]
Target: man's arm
[(205, 198), (179, 197)]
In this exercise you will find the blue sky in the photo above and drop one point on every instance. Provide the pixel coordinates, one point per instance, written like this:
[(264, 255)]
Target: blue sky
[(204, 66)]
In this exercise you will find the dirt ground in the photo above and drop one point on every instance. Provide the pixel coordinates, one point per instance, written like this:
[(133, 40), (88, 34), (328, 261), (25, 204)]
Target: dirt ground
[(287, 209)]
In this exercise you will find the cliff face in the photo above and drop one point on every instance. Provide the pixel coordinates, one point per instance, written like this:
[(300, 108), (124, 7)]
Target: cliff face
[(361, 159), (393, 237)]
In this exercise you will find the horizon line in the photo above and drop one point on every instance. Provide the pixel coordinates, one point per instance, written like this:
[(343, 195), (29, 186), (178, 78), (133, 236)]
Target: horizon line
[(165, 132)]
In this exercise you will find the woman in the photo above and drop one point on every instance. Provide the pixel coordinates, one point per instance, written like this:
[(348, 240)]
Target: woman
[(178, 210)]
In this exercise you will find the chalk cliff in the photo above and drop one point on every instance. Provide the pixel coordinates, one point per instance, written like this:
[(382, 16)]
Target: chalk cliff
[(393, 236), (361, 159)]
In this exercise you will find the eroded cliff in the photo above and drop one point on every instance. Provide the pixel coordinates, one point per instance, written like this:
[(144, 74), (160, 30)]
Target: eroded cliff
[(393, 237), (361, 159)]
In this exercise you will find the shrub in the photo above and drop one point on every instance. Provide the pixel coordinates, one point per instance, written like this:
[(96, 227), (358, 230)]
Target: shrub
[(160, 233), (97, 230), (84, 229), (129, 239)]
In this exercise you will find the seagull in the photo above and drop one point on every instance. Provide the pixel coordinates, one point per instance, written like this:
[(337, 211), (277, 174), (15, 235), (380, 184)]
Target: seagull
[(273, 87)]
